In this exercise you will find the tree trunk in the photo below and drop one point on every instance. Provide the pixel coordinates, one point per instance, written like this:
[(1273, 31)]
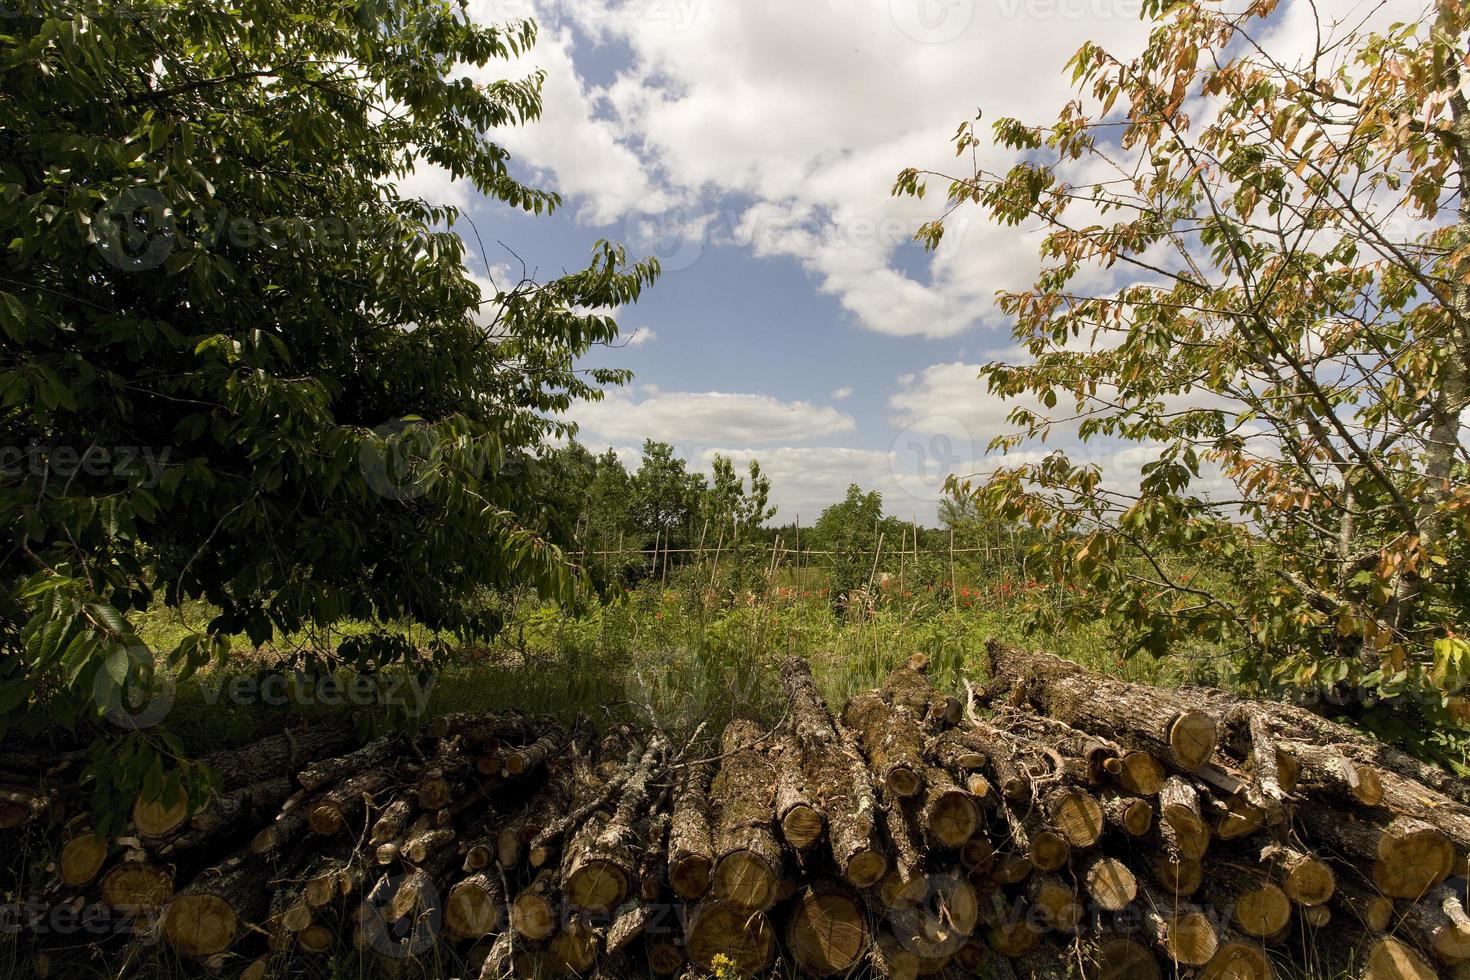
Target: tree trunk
[(691, 843), (827, 931), (1439, 922), (1405, 857), (346, 802), (739, 933), (1109, 882), (836, 777), (598, 870), (208, 916), (1181, 824), (747, 870), (892, 741), (1180, 931), (1169, 724), (1130, 814)]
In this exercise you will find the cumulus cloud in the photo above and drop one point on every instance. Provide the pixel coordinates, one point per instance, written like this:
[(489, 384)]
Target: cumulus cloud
[(803, 113), (807, 479), (844, 392), (640, 336), (690, 420)]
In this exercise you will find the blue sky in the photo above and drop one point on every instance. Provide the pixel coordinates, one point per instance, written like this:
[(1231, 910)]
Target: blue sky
[(751, 145)]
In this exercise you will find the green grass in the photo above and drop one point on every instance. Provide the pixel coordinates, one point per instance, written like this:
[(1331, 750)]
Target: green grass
[(677, 655)]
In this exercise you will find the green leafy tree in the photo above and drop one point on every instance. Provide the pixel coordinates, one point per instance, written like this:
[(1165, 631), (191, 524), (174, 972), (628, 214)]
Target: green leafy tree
[(731, 513), (664, 497), (1290, 319), (608, 523), (207, 260), (850, 531)]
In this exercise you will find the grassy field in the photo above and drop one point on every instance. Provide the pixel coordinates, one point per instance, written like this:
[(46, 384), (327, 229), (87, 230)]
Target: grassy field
[(678, 653)]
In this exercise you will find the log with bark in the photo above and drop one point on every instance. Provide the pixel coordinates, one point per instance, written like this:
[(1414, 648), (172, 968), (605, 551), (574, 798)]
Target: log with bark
[(1171, 725), (1029, 843), (837, 778), (748, 858)]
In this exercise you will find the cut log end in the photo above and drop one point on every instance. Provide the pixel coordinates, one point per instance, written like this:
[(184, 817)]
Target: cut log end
[(746, 879), (1076, 815), (721, 928), (82, 859), (1140, 773), (1110, 883), (690, 875), (866, 868), (827, 933), (902, 782), (1192, 736), (325, 819), (802, 826), (1390, 959), (1236, 960), (1262, 911), (1412, 859), (136, 887), (597, 886), (1309, 881), (532, 916), (154, 818), (1121, 958), (315, 939), (1192, 939), (1048, 851), (951, 818), (199, 925)]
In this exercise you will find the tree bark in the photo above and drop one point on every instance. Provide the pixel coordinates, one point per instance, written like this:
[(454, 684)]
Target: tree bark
[(747, 871), (1168, 724), (691, 842), (892, 741), (837, 778)]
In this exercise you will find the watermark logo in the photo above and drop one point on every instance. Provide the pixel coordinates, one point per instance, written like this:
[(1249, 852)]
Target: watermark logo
[(402, 916), (135, 230), (400, 459), (130, 691), (674, 234), (408, 692), (922, 921), (143, 464), (932, 21), (926, 453)]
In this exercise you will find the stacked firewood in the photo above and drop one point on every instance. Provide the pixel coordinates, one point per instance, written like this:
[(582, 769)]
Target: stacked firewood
[(1052, 822)]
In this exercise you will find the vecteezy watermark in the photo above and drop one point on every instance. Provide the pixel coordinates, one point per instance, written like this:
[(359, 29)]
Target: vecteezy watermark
[(400, 459), (137, 229), (130, 691), (927, 453), (932, 21), (278, 689), (674, 234), (402, 916), (43, 916), (67, 462)]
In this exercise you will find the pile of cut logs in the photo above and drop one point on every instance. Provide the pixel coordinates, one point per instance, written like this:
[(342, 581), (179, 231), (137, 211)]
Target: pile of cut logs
[(1051, 822)]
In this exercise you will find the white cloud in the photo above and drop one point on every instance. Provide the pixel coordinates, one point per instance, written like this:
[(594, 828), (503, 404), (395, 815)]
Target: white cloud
[(640, 336), (692, 421), (844, 392), (806, 480), (583, 156), (807, 111), (434, 184)]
